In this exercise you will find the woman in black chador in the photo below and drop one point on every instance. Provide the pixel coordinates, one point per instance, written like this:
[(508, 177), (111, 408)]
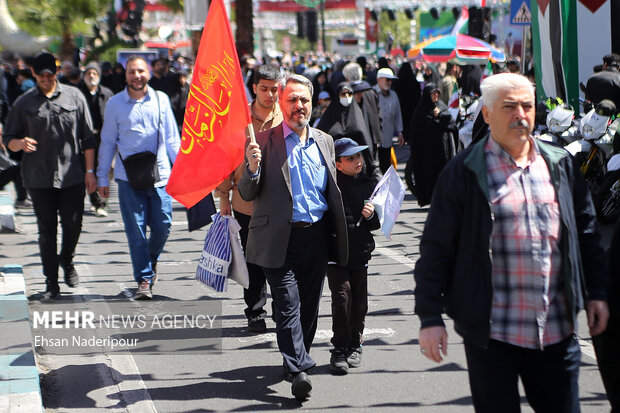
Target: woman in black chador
[(343, 118), (431, 140), (408, 90)]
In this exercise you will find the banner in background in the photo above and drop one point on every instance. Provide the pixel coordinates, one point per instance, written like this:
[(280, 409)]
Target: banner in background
[(569, 38)]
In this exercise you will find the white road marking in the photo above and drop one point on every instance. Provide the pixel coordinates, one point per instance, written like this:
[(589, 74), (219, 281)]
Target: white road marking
[(121, 225), (321, 335), (125, 291), (122, 373), (395, 256), (587, 348)]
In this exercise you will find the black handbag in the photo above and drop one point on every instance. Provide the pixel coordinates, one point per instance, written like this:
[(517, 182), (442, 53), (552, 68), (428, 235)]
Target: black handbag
[(141, 168), (5, 161)]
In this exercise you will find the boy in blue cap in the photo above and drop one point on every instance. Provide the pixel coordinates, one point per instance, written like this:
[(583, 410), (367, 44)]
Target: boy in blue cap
[(348, 284)]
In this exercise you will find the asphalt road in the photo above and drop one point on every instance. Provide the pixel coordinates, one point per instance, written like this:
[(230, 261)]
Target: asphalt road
[(246, 373)]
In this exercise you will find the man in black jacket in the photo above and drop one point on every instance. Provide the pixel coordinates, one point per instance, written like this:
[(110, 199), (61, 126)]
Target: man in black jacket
[(606, 83), (511, 252), (97, 97), (51, 125)]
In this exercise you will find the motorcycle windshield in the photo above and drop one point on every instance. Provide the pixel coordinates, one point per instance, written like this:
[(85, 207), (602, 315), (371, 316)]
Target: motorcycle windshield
[(593, 125), (559, 119)]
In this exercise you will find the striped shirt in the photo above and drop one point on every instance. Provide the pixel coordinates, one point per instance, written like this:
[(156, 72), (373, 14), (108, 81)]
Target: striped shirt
[(529, 306)]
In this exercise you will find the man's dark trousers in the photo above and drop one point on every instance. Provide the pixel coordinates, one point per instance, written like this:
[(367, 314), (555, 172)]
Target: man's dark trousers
[(255, 296), (48, 203), (550, 377), (296, 289), (607, 345)]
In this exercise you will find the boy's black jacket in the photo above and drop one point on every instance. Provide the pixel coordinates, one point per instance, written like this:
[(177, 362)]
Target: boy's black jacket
[(354, 192)]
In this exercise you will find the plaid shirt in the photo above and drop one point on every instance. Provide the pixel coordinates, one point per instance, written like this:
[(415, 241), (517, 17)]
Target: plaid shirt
[(529, 306)]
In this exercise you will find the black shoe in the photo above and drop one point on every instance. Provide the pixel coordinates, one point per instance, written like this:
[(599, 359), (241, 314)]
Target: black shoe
[(355, 357), (302, 386), (72, 278), (23, 204), (48, 296), (338, 361), (257, 325)]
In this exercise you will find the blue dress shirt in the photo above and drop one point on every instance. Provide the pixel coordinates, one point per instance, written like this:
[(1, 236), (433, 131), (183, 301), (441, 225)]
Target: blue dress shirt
[(130, 126), (308, 176)]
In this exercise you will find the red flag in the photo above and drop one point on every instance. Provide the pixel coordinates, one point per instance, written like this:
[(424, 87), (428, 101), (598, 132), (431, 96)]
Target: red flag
[(216, 115)]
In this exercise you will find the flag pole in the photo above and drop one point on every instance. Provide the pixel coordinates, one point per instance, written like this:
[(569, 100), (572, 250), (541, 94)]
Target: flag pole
[(251, 133)]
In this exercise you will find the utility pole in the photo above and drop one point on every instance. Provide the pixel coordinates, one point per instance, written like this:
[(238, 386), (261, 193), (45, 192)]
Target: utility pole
[(323, 26)]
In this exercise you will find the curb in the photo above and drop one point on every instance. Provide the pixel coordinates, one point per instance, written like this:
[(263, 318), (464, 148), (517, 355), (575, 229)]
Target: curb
[(20, 390), (7, 212)]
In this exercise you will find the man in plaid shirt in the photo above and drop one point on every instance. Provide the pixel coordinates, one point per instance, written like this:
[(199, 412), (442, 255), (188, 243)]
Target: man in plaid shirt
[(511, 252)]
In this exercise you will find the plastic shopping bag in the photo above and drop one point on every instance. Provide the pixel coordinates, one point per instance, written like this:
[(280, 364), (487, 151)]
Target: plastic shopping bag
[(216, 256), (238, 270)]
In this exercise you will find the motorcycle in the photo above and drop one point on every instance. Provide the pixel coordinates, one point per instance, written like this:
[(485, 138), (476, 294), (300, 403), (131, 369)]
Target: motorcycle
[(607, 201), (561, 128), (592, 150)]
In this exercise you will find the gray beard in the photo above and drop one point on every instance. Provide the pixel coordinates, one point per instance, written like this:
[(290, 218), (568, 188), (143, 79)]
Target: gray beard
[(301, 124)]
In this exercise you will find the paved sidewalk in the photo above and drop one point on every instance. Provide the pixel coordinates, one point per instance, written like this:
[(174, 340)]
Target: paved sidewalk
[(7, 211), (19, 378)]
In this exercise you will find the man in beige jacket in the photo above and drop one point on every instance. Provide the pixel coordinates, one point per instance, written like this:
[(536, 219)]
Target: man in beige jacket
[(265, 115)]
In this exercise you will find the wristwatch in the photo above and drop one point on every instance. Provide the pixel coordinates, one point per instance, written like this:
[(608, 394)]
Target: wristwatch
[(90, 171)]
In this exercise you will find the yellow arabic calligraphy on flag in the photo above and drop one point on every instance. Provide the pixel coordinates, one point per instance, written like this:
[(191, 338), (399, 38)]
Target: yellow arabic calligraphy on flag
[(208, 104)]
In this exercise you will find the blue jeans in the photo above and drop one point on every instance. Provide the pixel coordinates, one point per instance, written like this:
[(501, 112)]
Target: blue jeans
[(550, 376), (139, 209)]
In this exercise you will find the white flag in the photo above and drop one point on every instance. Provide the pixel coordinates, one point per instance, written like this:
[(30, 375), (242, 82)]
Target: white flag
[(388, 198)]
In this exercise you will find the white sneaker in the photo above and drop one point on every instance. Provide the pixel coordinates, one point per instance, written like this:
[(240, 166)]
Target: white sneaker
[(93, 208), (101, 212), (144, 291)]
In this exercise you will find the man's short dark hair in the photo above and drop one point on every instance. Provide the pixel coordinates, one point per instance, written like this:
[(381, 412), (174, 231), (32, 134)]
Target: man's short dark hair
[(135, 57), (612, 60), (163, 60), (266, 72)]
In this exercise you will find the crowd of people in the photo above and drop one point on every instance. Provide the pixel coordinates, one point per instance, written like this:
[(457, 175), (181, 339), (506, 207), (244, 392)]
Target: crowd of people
[(325, 134)]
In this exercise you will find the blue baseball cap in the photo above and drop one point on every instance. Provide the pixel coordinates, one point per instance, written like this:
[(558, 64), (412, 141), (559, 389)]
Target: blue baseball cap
[(347, 147)]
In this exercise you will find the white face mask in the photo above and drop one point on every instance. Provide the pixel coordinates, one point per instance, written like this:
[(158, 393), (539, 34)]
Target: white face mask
[(346, 101)]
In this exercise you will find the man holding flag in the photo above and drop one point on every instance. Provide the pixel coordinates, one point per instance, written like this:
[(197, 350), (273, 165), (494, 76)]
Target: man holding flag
[(297, 223), (265, 115)]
